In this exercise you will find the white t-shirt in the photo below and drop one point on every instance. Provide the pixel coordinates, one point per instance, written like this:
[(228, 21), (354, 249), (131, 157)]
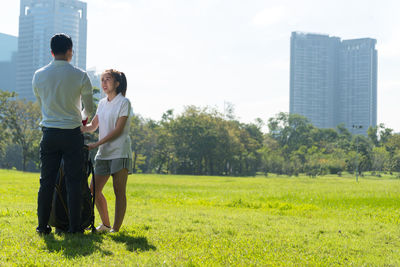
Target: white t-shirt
[(59, 87), (108, 113)]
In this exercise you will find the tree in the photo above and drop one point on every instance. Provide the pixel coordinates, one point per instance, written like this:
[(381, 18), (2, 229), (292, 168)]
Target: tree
[(138, 137), (393, 147), (5, 98), (344, 138), (22, 119), (143, 135), (164, 149), (252, 139), (194, 137), (361, 153), (372, 134), (379, 134), (272, 159), (380, 159), (291, 131)]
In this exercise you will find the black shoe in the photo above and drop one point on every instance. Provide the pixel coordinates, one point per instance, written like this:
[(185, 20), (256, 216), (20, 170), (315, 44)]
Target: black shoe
[(43, 231)]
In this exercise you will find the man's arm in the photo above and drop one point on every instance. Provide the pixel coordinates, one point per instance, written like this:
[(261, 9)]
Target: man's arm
[(87, 101), (87, 96), (35, 91)]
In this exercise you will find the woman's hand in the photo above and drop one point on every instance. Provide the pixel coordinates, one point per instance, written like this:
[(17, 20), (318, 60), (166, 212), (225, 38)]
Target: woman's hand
[(91, 127), (112, 135), (92, 146)]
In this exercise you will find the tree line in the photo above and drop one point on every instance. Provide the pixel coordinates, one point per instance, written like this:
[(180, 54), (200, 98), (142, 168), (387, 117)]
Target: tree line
[(203, 141)]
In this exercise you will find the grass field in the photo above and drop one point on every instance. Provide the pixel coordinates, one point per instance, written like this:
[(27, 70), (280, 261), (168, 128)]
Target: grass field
[(190, 221)]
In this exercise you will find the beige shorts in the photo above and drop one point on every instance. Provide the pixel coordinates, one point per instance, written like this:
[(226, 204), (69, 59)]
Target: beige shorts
[(111, 166)]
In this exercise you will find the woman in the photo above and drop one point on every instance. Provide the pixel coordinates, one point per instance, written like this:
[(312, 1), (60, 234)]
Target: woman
[(114, 156)]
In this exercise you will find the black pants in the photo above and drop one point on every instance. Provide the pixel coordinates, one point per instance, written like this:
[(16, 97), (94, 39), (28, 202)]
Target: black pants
[(57, 144)]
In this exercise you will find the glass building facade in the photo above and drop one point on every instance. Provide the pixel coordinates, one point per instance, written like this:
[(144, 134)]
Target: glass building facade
[(334, 81), (39, 20), (358, 84), (8, 61)]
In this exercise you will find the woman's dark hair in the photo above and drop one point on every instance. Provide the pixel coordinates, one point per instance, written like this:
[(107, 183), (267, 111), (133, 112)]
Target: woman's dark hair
[(119, 77), (60, 43)]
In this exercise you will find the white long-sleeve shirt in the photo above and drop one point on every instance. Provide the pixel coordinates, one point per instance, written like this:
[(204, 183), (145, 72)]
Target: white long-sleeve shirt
[(59, 88)]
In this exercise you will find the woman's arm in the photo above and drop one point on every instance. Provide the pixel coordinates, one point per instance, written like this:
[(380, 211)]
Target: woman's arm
[(113, 134), (92, 126)]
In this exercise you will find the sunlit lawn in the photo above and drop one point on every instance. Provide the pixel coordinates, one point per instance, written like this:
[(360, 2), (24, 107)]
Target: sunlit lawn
[(188, 220)]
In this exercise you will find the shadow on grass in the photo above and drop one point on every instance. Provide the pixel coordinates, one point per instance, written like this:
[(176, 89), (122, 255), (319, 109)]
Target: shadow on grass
[(133, 243), (76, 245)]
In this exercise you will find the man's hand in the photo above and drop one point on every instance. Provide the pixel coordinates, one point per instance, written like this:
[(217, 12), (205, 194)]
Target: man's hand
[(84, 122)]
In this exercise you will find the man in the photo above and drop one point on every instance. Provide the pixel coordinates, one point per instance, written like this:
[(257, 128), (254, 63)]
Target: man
[(59, 88)]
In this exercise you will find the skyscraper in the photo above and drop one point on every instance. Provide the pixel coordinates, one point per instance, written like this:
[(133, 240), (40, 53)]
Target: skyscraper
[(358, 84), (313, 75), (39, 20), (8, 61), (334, 81)]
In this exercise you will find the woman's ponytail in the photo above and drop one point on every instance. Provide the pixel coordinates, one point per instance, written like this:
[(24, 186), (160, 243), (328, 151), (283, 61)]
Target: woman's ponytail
[(122, 84)]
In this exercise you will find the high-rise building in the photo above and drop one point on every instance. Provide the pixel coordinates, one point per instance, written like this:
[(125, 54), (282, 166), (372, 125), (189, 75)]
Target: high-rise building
[(9, 45), (313, 75), (334, 81), (39, 20), (8, 61), (358, 84)]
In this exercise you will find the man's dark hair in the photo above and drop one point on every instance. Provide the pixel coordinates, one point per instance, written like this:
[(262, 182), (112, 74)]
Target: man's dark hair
[(60, 43)]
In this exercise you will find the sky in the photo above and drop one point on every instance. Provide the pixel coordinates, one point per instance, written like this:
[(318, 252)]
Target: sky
[(177, 53)]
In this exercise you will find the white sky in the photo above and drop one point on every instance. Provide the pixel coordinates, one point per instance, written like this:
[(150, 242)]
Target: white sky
[(205, 52)]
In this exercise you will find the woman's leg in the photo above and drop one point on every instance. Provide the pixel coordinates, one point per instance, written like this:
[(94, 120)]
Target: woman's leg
[(119, 184), (100, 200)]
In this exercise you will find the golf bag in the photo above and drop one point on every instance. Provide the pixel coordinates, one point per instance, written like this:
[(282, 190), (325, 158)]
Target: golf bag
[(59, 211)]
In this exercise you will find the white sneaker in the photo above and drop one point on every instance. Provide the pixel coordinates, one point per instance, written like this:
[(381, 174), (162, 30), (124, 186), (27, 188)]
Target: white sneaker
[(102, 228)]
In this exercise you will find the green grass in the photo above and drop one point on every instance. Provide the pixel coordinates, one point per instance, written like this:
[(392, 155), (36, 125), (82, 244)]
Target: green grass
[(187, 220)]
